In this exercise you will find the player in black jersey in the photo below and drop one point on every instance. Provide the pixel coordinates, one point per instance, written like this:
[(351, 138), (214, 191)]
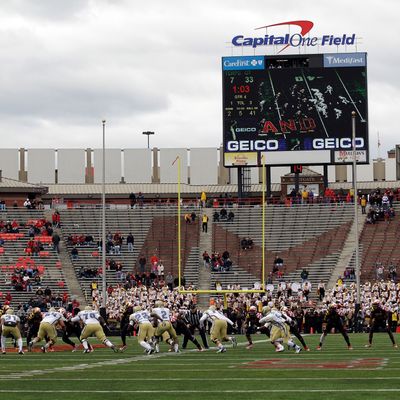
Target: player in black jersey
[(33, 322), (380, 319), (71, 328), (181, 325), (124, 324), (251, 325), (294, 329), (332, 319)]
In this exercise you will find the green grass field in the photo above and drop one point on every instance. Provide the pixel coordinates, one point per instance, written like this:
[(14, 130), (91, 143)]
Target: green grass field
[(259, 373)]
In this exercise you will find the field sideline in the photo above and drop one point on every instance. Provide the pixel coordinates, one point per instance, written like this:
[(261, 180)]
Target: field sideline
[(259, 373)]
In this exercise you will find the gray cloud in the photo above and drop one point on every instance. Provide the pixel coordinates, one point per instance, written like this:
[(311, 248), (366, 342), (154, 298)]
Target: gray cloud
[(155, 65)]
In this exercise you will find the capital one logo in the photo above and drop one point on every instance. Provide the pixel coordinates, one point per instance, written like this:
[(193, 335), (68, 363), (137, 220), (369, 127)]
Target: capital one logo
[(305, 27)]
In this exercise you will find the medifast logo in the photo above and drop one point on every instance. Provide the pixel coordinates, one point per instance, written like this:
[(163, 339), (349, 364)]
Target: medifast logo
[(294, 40), (344, 60)]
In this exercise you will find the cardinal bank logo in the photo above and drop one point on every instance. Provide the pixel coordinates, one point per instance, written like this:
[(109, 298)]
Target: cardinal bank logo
[(293, 40)]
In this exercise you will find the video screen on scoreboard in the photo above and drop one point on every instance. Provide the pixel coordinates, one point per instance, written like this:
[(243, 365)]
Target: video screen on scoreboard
[(297, 104)]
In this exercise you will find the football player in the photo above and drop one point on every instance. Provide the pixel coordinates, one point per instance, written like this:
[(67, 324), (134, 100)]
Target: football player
[(141, 318), (280, 331), (251, 325), (294, 330), (33, 323), (379, 319), (125, 325), (10, 326), (47, 328), (92, 321), (162, 315), (71, 328), (181, 326), (219, 328), (332, 319)]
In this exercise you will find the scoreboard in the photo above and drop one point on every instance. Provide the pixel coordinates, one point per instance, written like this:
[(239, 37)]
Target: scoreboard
[(294, 109)]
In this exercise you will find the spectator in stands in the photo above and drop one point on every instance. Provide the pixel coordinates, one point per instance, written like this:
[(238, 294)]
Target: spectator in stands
[(28, 204), (119, 272), (231, 216), (321, 290), (188, 218), (74, 253), (56, 219), (304, 195), (169, 280), (206, 259), (203, 199), (193, 217), (304, 275), (142, 263), (246, 243), (160, 270), (363, 203), (140, 199), (223, 214), (56, 242), (130, 242), (216, 216), (204, 223), (278, 264), (379, 271), (132, 198)]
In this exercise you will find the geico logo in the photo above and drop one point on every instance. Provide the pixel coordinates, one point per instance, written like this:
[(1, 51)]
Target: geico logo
[(246, 130), (337, 143), (251, 145)]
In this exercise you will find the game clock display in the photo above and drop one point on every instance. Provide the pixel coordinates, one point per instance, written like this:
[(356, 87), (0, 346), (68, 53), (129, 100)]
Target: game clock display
[(293, 104)]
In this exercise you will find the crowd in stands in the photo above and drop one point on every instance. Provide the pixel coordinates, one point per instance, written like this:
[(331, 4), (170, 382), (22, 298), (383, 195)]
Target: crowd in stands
[(217, 262), (223, 215)]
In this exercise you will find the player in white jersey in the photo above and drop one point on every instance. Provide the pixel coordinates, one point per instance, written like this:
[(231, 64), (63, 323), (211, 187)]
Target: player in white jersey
[(10, 327), (92, 321), (164, 326), (280, 330), (219, 328), (47, 329), (141, 318)]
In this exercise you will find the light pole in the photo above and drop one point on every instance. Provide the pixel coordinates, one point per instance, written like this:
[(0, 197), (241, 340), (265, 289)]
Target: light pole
[(357, 260), (103, 208), (148, 133)]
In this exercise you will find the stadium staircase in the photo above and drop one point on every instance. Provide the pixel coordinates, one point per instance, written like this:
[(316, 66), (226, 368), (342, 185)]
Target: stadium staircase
[(347, 255), (14, 255)]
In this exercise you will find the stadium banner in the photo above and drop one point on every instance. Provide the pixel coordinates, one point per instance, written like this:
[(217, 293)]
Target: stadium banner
[(344, 156), (295, 105), (241, 159)]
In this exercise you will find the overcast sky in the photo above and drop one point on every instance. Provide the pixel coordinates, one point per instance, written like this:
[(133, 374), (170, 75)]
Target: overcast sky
[(156, 65)]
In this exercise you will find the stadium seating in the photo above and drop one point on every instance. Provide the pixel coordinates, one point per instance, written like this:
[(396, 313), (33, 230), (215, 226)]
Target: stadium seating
[(14, 254), (154, 230)]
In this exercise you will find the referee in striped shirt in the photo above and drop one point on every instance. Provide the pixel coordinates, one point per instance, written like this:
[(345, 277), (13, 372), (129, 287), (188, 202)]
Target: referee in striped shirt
[(193, 318)]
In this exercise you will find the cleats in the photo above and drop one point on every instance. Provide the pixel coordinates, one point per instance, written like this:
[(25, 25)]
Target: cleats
[(30, 346), (350, 347), (3, 352), (221, 350), (319, 348), (298, 350), (368, 346), (234, 341), (123, 348), (114, 349), (75, 349), (150, 351), (43, 349), (249, 346), (395, 346), (306, 348), (279, 349), (156, 348), (86, 351), (201, 349), (21, 353)]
